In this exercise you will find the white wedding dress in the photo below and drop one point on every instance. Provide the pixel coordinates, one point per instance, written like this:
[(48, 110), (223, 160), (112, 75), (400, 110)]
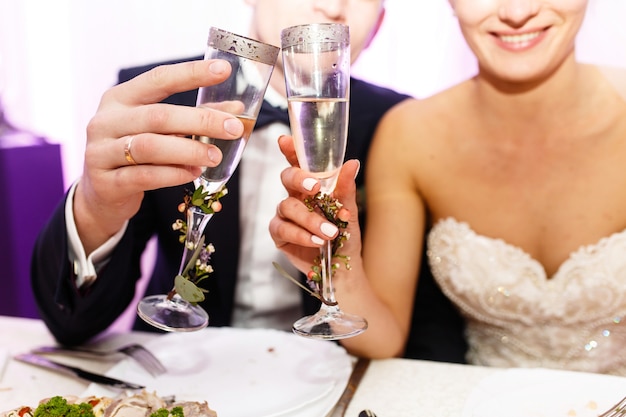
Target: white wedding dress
[(518, 317)]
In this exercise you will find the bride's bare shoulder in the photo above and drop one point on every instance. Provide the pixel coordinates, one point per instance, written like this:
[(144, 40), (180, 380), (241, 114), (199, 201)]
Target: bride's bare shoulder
[(436, 111)]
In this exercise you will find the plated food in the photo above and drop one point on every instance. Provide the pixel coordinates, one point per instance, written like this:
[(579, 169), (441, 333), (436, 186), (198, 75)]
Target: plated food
[(142, 404)]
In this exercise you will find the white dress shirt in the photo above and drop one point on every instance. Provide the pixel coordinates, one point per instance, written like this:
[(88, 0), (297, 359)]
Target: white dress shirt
[(263, 297)]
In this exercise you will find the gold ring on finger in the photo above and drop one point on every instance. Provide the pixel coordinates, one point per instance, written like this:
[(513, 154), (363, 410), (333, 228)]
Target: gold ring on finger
[(127, 152)]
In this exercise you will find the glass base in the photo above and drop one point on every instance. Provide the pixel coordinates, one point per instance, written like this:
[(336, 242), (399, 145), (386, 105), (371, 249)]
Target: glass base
[(330, 323), (175, 315)]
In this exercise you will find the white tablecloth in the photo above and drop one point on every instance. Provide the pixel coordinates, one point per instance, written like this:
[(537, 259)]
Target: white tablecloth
[(22, 384), (401, 387), (390, 388)]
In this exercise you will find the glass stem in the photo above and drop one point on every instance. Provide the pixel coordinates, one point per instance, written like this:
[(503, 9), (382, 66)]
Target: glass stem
[(196, 223), (326, 263)]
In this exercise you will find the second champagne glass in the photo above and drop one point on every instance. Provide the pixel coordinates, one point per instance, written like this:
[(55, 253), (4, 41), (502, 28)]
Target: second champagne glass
[(241, 95), (316, 62)]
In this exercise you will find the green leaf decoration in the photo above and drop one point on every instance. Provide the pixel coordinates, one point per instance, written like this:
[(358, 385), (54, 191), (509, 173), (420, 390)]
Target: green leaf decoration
[(188, 290), (285, 274), (199, 194)]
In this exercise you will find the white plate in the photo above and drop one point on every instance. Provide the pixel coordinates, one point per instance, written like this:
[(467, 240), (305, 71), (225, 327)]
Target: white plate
[(543, 392), (244, 372)]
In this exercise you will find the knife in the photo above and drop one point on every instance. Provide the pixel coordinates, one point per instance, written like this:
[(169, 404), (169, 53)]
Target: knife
[(355, 378), (75, 372)]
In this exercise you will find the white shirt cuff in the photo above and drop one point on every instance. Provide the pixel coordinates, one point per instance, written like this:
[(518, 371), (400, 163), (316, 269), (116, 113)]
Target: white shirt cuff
[(86, 267)]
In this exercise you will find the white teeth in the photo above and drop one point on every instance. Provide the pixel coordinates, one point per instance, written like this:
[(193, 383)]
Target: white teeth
[(526, 37)]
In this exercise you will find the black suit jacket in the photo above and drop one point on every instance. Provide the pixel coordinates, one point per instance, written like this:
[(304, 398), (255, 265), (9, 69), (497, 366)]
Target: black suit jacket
[(74, 317)]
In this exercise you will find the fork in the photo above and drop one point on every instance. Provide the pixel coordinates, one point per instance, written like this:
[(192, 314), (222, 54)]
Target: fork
[(143, 356), (618, 410)]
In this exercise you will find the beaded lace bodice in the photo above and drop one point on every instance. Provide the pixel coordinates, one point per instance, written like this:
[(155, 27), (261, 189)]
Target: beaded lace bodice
[(518, 317)]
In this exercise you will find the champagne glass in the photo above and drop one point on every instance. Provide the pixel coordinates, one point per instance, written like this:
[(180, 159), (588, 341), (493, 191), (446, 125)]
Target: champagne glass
[(316, 62), (241, 95)]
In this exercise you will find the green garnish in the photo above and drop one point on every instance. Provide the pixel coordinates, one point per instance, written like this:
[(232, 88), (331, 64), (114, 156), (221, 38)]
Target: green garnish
[(164, 412), (58, 407)]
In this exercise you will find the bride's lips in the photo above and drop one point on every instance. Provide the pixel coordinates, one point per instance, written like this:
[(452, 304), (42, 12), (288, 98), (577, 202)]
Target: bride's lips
[(519, 41)]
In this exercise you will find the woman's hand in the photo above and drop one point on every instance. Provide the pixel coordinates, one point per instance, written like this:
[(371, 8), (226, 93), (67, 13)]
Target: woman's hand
[(135, 143), (297, 231)]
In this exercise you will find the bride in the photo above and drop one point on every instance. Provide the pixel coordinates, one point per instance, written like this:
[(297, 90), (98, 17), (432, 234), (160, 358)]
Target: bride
[(518, 178)]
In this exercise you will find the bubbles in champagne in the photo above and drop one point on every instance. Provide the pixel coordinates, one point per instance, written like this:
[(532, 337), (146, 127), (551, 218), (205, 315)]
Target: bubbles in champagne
[(320, 129)]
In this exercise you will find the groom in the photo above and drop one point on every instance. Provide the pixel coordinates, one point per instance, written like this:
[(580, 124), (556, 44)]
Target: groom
[(81, 291)]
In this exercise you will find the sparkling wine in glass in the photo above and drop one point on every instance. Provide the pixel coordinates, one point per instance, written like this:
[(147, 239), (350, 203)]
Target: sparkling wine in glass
[(241, 95), (316, 62)]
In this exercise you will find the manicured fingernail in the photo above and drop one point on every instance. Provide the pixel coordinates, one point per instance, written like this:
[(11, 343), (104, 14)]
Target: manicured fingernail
[(309, 183), (358, 168), (218, 67), (233, 126), (329, 229), (317, 240)]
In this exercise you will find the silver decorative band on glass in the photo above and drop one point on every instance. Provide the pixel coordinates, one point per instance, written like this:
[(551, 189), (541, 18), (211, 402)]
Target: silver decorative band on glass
[(242, 46), (315, 33)]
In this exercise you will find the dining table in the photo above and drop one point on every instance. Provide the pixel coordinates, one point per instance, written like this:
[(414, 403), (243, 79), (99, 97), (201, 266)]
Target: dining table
[(389, 387)]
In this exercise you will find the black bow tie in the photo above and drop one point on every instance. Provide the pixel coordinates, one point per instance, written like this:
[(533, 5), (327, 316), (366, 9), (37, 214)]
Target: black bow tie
[(270, 114)]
